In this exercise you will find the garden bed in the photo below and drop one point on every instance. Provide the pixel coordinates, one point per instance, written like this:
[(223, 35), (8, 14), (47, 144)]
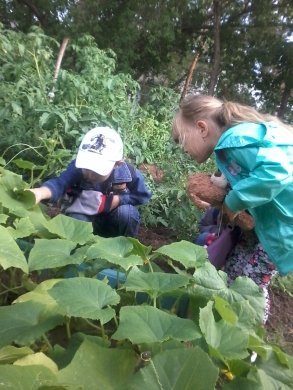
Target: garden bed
[(279, 326)]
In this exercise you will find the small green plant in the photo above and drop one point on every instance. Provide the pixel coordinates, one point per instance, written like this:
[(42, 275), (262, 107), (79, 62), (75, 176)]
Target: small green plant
[(50, 157), (284, 283)]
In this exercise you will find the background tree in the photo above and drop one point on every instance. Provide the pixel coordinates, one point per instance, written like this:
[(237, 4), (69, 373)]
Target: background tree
[(248, 55)]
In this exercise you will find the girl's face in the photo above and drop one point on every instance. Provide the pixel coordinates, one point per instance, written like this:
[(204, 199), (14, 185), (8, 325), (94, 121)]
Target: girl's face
[(199, 139), (94, 177), (196, 147)]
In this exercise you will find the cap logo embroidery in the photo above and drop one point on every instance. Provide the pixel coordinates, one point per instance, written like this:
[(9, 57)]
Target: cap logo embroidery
[(97, 144)]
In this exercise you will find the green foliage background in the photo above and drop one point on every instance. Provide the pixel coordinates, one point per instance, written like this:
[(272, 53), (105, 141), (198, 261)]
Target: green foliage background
[(155, 41), (43, 121)]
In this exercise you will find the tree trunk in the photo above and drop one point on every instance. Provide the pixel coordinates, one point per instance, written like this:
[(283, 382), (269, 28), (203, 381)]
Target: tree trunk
[(284, 100), (36, 12), (216, 56)]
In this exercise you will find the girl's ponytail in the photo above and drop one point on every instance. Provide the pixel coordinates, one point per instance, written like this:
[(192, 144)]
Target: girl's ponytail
[(234, 113)]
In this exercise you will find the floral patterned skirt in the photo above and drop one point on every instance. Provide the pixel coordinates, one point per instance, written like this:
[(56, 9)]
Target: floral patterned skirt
[(249, 259)]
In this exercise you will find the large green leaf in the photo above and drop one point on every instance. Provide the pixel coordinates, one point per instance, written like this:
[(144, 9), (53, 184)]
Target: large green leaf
[(3, 218), (40, 295), (37, 359), (94, 367), (231, 342), (140, 249), (63, 356), (25, 164), (71, 229), (146, 324), (86, 298), (246, 315), (39, 221), (10, 254), (225, 310), (177, 369), (9, 353), (23, 227), (186, 253), (209, 282), (13, 194), (258, 345), (116, 250), (281, 376), (155, 283), (52, 253), (29, 377), (269, 376), (23, 323)]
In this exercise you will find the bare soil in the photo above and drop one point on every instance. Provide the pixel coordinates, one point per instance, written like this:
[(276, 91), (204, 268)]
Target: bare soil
[(280, 323)]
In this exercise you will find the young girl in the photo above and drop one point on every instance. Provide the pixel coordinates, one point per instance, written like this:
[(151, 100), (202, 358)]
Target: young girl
[(255, 153)]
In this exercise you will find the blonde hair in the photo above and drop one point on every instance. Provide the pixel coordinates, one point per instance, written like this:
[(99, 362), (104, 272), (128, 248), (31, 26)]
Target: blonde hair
[(224, 113)]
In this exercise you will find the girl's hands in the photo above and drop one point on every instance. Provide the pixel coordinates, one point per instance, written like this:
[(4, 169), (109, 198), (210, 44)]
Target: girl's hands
[(229, 213), (242, 219)]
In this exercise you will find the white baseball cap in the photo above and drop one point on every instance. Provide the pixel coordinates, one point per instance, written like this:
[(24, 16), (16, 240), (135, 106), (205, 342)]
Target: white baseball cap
[(99, 150)]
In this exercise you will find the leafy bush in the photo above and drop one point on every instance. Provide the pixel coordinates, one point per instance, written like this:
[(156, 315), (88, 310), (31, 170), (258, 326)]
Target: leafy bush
[(87, 91), (42, 121)]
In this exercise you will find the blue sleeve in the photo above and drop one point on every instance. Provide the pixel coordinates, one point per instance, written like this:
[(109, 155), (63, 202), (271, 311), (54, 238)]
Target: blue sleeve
[(269, 172), (65, 180), (138, 193)]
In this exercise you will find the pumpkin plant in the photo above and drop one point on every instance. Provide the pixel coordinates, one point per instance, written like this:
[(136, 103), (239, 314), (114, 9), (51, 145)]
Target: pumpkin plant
[(63, 325)]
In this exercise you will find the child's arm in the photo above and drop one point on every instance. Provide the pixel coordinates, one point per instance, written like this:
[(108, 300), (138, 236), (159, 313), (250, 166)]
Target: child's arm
[(57, 186), (138, 193), (41, 193)]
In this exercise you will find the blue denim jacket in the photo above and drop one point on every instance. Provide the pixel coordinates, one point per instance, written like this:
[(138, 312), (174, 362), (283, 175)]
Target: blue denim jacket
[(135, 193), (257, 160)]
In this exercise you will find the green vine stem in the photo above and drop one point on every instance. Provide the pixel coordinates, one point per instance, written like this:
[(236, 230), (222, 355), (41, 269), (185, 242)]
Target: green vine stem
[(68, 330), (90, 323), (47, 342), (103, 332), (9, 289), (156, 375)]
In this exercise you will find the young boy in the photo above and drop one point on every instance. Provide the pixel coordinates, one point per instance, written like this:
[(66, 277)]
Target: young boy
[(103, 189)]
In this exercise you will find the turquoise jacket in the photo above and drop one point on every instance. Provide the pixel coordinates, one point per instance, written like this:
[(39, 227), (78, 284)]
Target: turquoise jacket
[(257, 160)]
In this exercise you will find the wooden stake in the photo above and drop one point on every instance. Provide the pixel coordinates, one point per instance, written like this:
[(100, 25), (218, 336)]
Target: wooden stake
[(189, 75), (60, 57)]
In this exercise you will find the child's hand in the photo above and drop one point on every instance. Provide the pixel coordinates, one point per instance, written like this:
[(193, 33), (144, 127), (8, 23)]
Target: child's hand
[(108, 203), (242, 219), (229, 213), (115, 202), (41, 193)]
